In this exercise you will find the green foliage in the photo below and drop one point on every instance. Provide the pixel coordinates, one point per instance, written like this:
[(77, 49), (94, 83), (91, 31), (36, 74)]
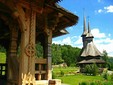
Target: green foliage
[(2, 49), (53, 75), (83, 83), (110, 63), (111, 77), (61, 73), (56, 54), (65, 53), (105, 57), (91, 69), (105, 75), (70, 54), (39, 50)]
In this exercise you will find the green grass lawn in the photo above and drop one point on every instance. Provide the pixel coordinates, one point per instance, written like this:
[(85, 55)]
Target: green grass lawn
[(67, 70), (76, 78)]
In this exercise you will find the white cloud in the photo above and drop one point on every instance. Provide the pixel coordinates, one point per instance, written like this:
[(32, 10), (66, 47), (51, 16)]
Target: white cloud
[(108, 47), (78, 41), (109, 8), (101, 40), (96, 33), (100, 11), (66, 40), (109, 35)]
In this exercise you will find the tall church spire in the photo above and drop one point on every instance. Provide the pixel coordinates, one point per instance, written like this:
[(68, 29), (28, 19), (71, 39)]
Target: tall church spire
[(89, 27), (85, 31), (84, 26), (89, 34)]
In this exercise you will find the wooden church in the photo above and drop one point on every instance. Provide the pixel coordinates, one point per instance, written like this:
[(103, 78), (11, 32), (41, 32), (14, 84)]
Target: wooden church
[(23, 23), (89, 53)]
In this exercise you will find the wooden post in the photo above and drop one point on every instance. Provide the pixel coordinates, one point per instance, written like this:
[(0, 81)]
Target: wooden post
[(27, 46), (12, 55), (48, 54)]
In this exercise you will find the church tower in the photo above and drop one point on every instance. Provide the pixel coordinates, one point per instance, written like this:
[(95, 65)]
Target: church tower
[(84, 32), (89, 53)]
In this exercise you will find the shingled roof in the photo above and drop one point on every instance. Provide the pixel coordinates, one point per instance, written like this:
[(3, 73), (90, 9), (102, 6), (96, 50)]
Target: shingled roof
[(99, 61), (89, 53), (89, 49)]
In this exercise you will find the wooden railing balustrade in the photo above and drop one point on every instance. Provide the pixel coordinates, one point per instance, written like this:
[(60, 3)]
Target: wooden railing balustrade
[(40, 69), (3, 70)]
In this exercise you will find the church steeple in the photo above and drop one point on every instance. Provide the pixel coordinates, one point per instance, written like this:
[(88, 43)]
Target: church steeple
[(85, 31), (89, 49), (89, 27), (89, 34), (84, 27)]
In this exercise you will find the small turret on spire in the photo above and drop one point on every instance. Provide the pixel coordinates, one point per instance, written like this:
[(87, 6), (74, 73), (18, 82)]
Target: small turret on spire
[(89, 34)]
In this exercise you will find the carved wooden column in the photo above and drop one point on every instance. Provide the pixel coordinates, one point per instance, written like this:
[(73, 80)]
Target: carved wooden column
[(27, 47), (13, 64), (50, 24), (48, 44), (47, 48)]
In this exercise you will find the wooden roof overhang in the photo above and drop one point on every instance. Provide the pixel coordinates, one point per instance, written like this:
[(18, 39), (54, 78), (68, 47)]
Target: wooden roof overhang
[(92, 61), (58, 17)]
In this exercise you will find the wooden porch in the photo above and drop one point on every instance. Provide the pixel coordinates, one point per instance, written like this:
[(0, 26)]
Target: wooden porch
[(23, 23), (40, 74)]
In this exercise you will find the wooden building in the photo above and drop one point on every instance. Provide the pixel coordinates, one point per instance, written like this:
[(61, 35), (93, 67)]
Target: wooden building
[(23, 23), (89, 53)]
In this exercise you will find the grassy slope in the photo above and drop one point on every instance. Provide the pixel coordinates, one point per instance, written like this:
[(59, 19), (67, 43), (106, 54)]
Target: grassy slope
[(76, 78)]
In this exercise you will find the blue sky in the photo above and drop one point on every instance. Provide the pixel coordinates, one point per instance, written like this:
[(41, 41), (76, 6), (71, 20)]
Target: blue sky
[(100, 13)]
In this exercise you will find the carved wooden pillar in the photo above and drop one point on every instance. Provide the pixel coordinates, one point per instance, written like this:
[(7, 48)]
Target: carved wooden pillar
[(47, 52), (13, 64), (50, 23), (27, 46), (49, 58), (48, 44)]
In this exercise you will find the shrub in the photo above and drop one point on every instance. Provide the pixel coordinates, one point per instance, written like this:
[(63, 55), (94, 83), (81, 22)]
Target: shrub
[(92, 83), (53, 75), (61, 73), (111, 77), (91, 69), (94, 69), (105, 75), (83, 83)]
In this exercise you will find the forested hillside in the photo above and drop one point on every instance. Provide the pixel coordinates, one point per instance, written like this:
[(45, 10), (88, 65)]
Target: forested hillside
[(65, 54)]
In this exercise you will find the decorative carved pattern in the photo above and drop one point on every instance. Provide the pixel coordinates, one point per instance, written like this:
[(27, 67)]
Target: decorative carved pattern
[(28, 79), (30, 47), (30, 50)]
